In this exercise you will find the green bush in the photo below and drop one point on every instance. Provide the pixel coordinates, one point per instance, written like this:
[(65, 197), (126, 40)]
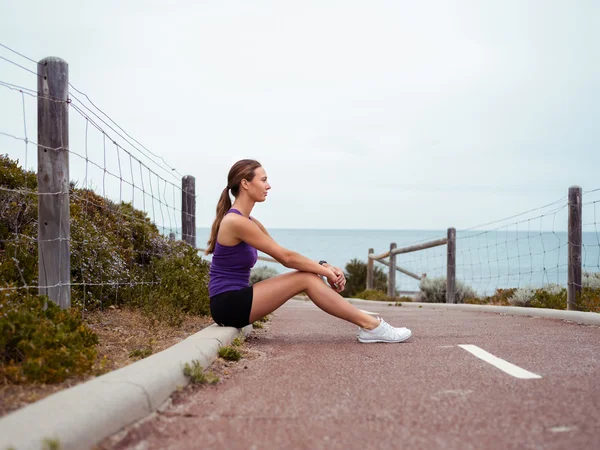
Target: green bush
[(591, 280), (555, 297), (262, 273), (41, 342), (356, 278), (230, 353), (589, 300), (195, 372), (118, 255), (18, 224), (238, 341), (433, 290), (182, 277), (500, 298), (372, 294)]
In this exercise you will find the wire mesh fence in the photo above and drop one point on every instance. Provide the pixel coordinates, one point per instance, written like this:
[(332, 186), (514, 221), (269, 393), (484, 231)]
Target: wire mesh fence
[(97, 214), (534, 249)]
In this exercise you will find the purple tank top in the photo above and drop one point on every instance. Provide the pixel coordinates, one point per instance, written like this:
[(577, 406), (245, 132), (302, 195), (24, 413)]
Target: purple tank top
[(230, 266)]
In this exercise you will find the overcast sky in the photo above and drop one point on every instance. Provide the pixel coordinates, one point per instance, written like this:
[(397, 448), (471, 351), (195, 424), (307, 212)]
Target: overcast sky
[(365, 114)]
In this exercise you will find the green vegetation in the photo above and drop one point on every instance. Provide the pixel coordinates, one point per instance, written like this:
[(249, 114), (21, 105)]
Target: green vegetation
[(197, 375), (356, 278), (52, 444), (372, 294), (141, 353), (261, 273), (238, 341), (41, 342), (230, 353), (433, 290), (118, 257), (549, 296), (257, 324)]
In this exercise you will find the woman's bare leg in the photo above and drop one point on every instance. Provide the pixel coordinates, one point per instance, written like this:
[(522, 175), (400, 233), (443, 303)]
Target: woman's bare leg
[(270, 294)]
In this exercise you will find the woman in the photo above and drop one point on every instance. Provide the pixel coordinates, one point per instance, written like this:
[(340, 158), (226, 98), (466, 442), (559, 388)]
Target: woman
[(234, 240)]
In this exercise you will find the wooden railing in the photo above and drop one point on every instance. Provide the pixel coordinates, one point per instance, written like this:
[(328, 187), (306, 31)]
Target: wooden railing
[(390, 262)]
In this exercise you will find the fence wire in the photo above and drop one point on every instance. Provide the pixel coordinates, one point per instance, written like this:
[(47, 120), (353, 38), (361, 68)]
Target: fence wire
[(526, 250), (121, 195)]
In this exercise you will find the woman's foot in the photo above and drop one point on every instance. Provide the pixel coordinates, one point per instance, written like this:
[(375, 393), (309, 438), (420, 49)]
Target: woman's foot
[(384, 333)]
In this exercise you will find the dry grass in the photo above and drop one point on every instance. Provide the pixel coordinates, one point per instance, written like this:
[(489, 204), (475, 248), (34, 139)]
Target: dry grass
[(123, 334)]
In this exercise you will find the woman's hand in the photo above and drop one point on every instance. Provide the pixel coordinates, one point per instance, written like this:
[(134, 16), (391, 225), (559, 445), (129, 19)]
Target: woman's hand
[(336, 279)]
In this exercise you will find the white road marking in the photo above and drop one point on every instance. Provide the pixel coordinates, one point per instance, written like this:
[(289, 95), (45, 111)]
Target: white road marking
[(368, 312), (562, 429), (499, 363)]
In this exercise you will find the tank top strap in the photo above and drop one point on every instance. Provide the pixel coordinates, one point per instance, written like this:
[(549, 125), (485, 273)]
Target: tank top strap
[(233, 210)]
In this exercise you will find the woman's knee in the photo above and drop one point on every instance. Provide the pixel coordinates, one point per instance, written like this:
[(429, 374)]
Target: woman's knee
[(307, 279)]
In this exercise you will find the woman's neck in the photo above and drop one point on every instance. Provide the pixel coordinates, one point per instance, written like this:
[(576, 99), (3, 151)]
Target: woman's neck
[(244, 206)]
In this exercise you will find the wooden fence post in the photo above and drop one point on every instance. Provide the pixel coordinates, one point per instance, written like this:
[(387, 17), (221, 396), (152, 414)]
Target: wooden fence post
[(188, 210), (575, 245), (451, 267), (392, 272), (370, 263), (54, 230)]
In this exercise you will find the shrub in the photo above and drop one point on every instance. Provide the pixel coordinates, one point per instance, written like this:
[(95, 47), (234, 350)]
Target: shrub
[(141, 353), (118, 255), (356, 277), (433, 290), (372, 294), (238, 341), (230, 353), (182, 287), (195, 372), (591, 280), (549, 296), (522, 297), (499, 298), (262, 273), (589, 300), (41, 342), (18, 222)]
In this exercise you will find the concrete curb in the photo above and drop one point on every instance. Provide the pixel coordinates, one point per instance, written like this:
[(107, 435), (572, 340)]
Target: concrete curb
[(83, 415), (587, 318)]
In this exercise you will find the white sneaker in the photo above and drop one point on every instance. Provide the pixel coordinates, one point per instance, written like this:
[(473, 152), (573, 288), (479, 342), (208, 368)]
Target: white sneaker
[(384, 333)]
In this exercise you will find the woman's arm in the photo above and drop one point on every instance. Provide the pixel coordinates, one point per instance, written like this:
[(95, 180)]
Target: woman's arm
[(260, 225), (251, 233)]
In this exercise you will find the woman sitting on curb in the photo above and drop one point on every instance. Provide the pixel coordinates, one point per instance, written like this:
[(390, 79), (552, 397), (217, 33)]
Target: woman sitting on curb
[(234, 240)]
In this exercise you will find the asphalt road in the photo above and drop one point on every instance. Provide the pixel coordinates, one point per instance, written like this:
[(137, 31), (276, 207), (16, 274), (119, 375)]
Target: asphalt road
[(313, 386)]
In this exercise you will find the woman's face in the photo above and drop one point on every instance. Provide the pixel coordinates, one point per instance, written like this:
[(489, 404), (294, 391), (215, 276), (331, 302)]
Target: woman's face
[(258, 187)]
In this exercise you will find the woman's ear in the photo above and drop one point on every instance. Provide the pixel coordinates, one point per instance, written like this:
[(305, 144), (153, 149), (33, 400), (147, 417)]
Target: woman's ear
[(244, 183)]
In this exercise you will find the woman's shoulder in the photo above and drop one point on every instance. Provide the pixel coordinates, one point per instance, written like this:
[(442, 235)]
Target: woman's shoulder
[(233, 218)]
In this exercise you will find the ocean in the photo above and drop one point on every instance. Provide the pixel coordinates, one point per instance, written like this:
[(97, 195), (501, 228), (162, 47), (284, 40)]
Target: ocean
[(485, 260)]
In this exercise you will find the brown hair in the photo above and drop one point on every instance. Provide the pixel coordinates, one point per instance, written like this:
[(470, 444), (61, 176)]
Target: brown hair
[(241, 170)]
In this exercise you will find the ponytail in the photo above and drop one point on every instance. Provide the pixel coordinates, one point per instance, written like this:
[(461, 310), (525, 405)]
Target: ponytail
[(222, 207), (241, 170)]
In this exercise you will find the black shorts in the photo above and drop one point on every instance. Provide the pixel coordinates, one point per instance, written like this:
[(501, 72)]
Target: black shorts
[(232, 308)]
